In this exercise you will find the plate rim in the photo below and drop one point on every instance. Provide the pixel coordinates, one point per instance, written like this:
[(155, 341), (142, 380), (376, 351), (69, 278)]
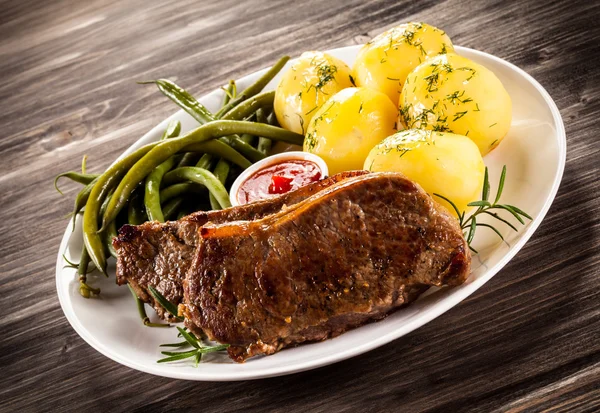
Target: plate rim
[(439, 309)]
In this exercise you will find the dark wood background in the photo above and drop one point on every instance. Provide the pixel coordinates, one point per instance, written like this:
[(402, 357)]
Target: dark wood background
[(529, 340)]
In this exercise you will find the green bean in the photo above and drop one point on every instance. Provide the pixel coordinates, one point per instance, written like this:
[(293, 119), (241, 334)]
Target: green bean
[(203, 177), (84, 262), (247, 108), (176, 190), (230, 92), (172, 206), (136, 212), (183, 99), (157, 154), (96, 192), (221, 171), (107, 181), (152, 190), (205, 161), (84, 164), (255, 88), (221, 149), (81, 199), (244, 148), (172, 131), (82, 269), (272, 119), (109, 234), (264, 144), (76, 177), (110, 231), (246, 137), (195, 109), (142, 310), (188, 159)]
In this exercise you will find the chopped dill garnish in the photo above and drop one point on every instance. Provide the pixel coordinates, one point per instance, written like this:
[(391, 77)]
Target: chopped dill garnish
[(312, 110), (493, 124), (326, 74), (441, 127), (404, 113), (432, 81), (447, 68), (459, 115), (456, 96), (409, 37), (468, 69)]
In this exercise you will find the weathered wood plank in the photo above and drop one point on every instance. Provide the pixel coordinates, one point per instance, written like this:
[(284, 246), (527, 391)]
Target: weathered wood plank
[(527, 341)]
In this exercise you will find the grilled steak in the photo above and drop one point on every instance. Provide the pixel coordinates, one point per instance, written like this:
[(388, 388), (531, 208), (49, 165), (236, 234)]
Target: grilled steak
[(159, 254), (348, 255)]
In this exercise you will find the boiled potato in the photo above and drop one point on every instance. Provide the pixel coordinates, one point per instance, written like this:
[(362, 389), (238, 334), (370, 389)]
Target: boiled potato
[(303, 89), (348, 125), (385, 61), (442, 163), (451, 93)]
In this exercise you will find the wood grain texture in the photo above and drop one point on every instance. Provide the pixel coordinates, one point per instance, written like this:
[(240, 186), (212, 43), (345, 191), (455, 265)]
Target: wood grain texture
[(529, 340)]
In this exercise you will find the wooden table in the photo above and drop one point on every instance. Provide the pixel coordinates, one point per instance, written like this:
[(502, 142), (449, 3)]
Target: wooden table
[(529, 340)]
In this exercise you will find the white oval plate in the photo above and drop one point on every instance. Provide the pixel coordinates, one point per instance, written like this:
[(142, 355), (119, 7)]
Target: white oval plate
[(534, 152)]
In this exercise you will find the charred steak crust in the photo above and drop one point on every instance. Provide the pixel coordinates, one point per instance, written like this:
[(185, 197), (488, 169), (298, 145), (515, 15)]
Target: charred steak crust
[(352, 253), (160, 254)]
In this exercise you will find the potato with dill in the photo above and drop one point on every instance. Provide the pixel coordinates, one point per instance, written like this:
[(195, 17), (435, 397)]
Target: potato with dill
[(451, 93), (442, 163), (348, 125), (303, 89), (385, 61)]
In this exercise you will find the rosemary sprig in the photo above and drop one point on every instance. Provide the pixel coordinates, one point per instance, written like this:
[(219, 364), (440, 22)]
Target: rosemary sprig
[(190, 340), (166, 304), (484, 206)]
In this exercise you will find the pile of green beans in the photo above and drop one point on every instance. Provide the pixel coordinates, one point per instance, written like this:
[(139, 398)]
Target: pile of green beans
[(178, 174)]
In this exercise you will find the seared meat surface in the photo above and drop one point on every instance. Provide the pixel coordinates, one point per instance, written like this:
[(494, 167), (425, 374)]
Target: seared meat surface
[(159, 254), (352, 253)]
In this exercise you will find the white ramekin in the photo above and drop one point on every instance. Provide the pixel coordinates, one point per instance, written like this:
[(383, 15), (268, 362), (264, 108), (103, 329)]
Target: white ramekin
[(272, 160)]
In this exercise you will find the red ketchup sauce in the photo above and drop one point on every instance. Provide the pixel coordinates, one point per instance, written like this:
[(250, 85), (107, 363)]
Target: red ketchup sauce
[(278, 179)]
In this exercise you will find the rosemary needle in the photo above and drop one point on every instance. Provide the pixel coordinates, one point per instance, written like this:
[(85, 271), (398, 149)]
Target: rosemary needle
[(484, 206), (196, 352)]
